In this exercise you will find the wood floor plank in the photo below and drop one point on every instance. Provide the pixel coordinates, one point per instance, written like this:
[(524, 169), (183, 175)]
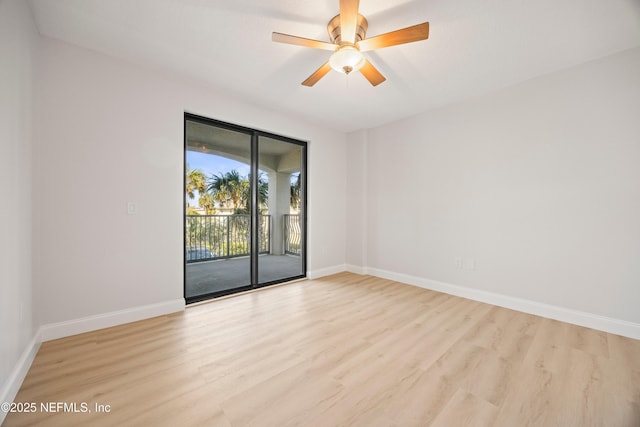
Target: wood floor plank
[(344, 350), (466, 409)]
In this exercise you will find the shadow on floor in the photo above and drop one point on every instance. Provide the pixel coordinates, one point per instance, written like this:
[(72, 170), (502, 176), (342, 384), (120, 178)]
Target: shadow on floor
[(221, 275)]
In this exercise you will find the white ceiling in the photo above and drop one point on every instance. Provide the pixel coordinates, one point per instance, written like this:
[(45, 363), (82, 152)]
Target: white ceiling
[(475, 46)]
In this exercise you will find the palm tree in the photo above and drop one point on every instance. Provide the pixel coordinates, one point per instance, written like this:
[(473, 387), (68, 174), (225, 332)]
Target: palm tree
[(226, 188), (296, 193), (207, 202), (195, 181), (233, 190), (263, 194)]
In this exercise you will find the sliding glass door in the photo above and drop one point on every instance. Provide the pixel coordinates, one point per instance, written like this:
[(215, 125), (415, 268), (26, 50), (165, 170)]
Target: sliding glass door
[(245, 209), (280, 173)]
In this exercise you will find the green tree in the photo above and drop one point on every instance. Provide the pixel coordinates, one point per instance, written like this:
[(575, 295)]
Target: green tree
[(196, 181), (232, 190), (226, 189), (207, 202), (263, 195), (296, 192)]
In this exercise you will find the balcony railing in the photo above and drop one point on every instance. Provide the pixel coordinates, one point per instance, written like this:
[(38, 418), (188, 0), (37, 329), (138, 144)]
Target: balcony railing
[(292, 234), (223, 236)]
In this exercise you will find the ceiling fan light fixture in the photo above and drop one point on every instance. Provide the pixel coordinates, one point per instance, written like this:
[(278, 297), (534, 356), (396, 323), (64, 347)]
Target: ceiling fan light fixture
[(347, 59), (348, 35)]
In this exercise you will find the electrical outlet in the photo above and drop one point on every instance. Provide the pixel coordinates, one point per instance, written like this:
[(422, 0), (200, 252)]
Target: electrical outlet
[(469, 264)]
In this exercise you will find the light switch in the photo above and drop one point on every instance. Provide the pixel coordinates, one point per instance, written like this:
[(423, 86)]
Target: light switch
[(131, 208)]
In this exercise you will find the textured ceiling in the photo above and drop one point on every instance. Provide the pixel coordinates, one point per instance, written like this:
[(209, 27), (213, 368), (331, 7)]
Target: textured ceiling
[(475, 46)]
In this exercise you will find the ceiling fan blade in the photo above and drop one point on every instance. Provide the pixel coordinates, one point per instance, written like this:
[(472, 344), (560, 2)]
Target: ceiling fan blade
[(348, 20), (406, 35), (301, 41), (317, 75), (372, 74)]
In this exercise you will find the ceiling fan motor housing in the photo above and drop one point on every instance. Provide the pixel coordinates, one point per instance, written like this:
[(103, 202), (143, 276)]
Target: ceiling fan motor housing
[(333, 28)]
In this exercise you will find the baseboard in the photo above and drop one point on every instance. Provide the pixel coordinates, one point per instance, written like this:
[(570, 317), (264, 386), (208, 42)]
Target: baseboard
[(315, 274), (10, 388), (356, 269), (67, 328), (580, 318)]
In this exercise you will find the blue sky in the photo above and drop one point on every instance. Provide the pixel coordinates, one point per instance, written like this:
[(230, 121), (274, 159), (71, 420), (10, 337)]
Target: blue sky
[(210, 164)]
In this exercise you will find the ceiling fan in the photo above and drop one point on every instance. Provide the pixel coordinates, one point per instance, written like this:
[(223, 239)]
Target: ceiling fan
[(347, 33)]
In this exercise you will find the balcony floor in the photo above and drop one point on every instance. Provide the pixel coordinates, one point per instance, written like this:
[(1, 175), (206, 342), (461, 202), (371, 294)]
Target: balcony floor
[(220, 275)]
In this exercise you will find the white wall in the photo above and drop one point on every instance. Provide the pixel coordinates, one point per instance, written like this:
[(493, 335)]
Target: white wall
[(18, 49), (538, 184), (356, 238), (111, 132)]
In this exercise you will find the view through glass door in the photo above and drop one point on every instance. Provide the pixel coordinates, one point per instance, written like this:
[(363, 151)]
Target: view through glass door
[(280, 166), (244, 208)]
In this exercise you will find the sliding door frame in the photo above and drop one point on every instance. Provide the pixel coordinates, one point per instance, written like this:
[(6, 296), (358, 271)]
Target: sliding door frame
[(254, 224)]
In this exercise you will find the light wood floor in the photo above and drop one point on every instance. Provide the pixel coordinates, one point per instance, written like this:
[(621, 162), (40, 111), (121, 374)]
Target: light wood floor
[(346, 350)]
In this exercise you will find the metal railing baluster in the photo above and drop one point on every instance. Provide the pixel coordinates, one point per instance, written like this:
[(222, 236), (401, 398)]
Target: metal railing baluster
[(211, 237)]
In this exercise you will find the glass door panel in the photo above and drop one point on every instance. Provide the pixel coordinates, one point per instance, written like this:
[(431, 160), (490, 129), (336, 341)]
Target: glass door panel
[(218, 210), (280, 210)]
